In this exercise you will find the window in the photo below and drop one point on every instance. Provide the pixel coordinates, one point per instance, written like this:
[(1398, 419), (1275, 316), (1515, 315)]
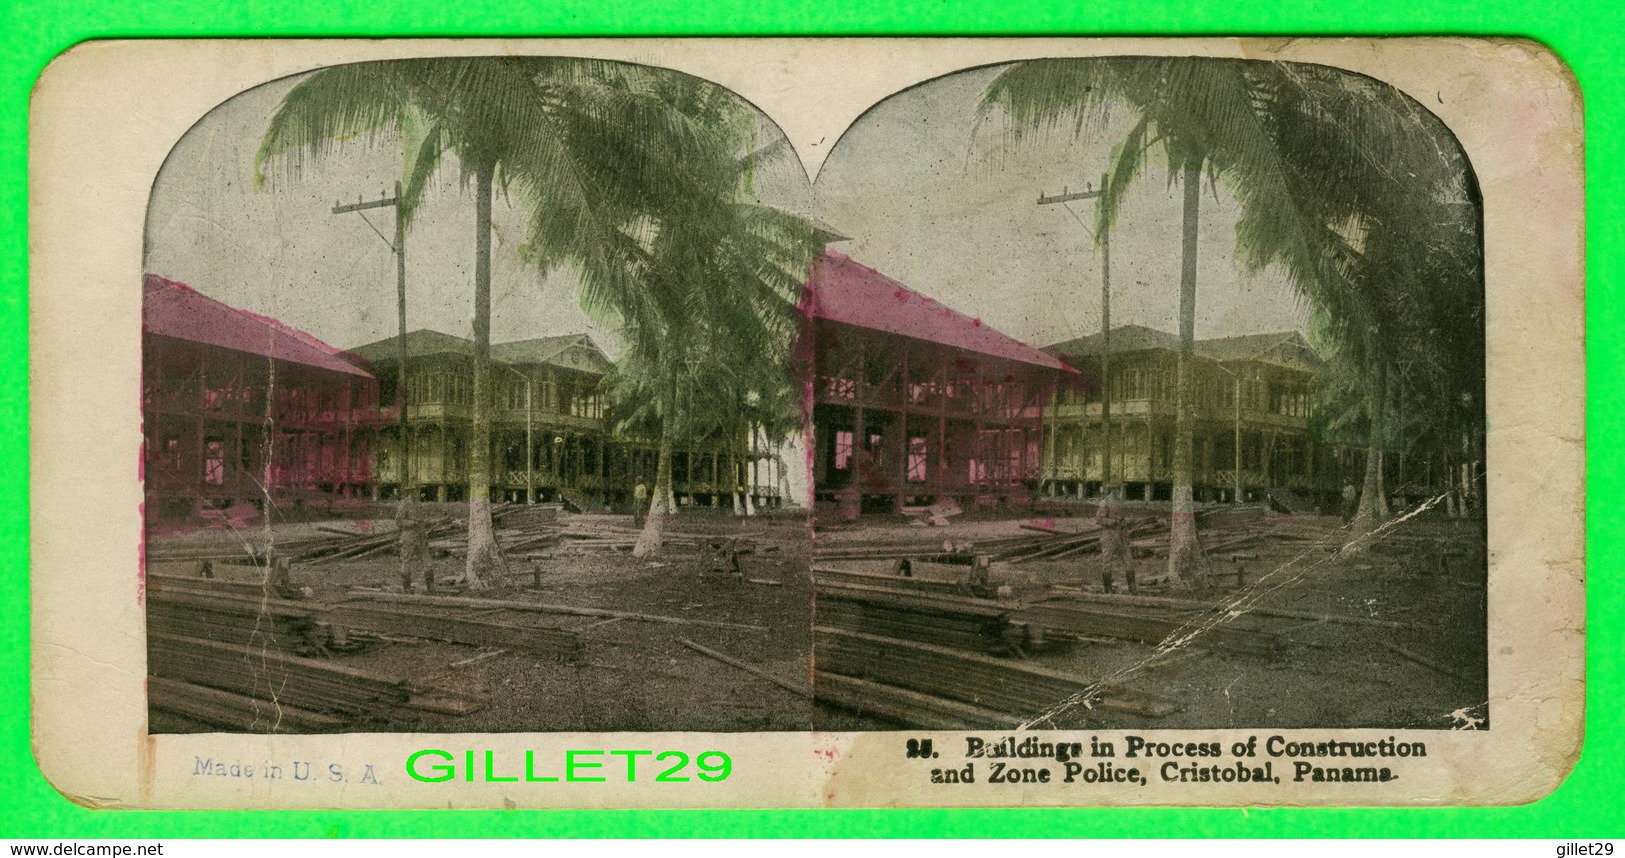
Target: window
[(1130, 385), (843, 450), (916, 460), (840, 388), (214, 463)]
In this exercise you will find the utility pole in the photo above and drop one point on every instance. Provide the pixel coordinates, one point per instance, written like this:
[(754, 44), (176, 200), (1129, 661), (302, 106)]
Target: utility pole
[(398, 247), (1235, 378), (1089, 193)]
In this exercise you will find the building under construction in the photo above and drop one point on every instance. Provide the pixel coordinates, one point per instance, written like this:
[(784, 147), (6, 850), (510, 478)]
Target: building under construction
[(914, 402), (241, 409)]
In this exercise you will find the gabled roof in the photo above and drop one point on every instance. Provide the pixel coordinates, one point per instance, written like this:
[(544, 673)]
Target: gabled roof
[(1281, 346), (1127, 338), (538, 350), (173, 309), (419, 343), (571, 351), (541, 350), (841, 290)]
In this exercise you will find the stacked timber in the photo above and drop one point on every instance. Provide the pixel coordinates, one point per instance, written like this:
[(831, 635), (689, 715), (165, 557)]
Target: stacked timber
[(236, 553), (235, 711), (269, 680), (432, 625), (1144, 624), (949, 553), (960, 586), (529, 516), (906, 707), (232, 612), (586, 534), (980, 690), (975, 625)]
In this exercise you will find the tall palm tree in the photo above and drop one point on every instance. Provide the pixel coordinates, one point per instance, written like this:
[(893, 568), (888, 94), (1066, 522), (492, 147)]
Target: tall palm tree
[(1394, 258), (1202, 116), (1340, 179), (588, 148), (703, 369)]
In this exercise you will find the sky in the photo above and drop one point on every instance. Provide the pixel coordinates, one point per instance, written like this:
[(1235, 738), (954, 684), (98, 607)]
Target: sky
[(925, 187), (934, 195)]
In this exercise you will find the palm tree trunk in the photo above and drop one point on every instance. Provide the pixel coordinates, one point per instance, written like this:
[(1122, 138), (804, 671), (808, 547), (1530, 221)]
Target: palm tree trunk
[(1450, 489), (485, 560), (750, 471), (1371, 510), (662, 502), (1184, 552), (733, 479), (654, 527)]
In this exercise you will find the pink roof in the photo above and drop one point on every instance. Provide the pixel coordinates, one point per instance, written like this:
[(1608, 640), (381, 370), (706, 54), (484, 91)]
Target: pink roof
[(844, 291), (177, 310)]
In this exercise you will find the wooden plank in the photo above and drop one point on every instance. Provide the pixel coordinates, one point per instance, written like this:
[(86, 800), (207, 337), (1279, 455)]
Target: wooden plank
[(1061, 619), (910, 708), (748, 668), (460, 629), (472, 602), (1195, 605)]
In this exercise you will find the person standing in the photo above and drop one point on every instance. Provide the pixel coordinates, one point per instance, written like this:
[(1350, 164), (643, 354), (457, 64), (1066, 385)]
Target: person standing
[(1351, 502), (640, 503), (1114, 547)]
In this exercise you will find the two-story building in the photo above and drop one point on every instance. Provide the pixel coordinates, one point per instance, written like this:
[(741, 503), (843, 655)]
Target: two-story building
[(238, 408), (552, 434), (1251, 408), (914, 402)]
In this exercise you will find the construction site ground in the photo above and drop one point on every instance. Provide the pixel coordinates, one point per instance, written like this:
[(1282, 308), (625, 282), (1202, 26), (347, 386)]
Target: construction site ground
[(1422, 580), (1389, 636), (631, 675)]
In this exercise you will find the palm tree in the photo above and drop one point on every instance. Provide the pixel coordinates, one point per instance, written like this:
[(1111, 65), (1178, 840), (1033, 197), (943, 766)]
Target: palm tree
[(1202, 115), (1394, 262), (716, 359), (589, 149), (1341, 180)]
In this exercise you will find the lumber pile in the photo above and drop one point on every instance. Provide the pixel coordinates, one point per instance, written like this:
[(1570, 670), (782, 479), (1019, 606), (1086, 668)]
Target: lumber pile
[(346, 546), (233, 612), (1143, 624), (935, 584), (586, 534), (540, 608), (1199, 607), (975, 625), (906, 707), (269, 680), (384, 619), (240, 553), (1011, 689), (235, 711)]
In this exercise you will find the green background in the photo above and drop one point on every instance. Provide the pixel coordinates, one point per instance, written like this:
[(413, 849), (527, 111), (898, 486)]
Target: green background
[(1585, 33)]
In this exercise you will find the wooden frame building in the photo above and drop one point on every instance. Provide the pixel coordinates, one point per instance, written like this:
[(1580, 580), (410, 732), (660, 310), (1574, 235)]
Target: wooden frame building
[(1271, 374), (238, 408), (552, 434), (913, 402)]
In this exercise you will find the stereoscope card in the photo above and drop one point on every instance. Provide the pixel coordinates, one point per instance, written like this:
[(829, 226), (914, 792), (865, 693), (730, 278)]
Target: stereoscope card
[(789, 423)]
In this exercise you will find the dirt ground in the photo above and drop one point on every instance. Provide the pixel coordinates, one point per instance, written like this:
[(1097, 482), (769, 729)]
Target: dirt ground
[(638, 676), (633, 675), (1329, 674)]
